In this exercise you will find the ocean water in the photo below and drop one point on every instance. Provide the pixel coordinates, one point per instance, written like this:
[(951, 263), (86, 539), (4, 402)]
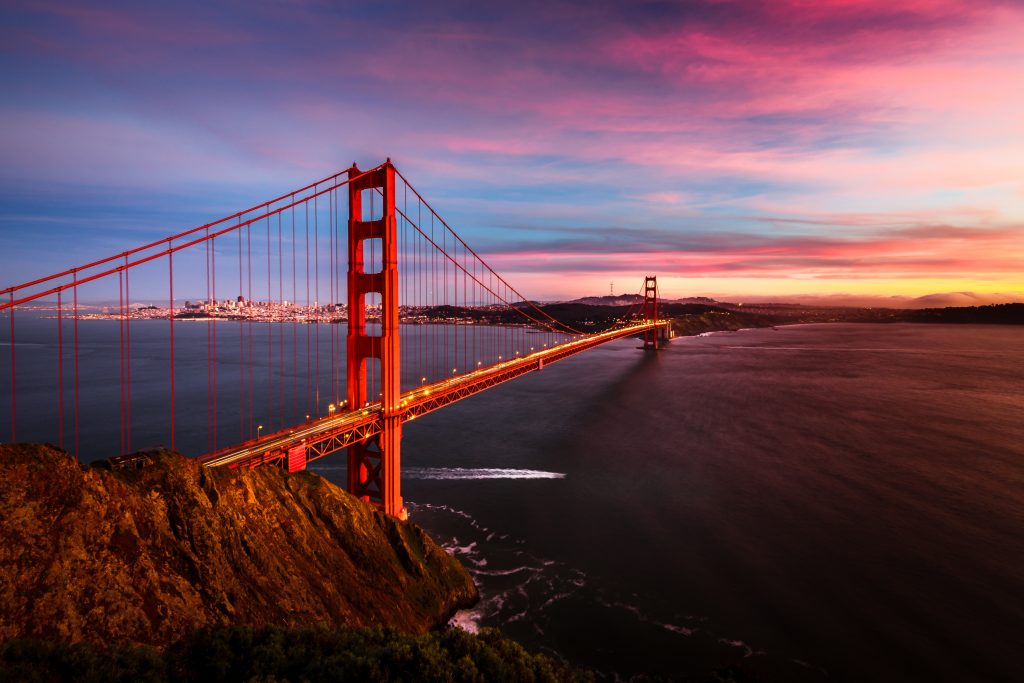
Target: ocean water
[(821, 502)]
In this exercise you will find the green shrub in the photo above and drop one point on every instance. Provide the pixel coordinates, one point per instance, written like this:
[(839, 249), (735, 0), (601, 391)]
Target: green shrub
[(274, 654)]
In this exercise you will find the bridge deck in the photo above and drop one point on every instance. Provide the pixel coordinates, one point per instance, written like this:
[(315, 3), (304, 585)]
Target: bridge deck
[(329, 434)]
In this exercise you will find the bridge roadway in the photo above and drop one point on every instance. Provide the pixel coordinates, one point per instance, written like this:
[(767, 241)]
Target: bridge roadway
[(326, 435)]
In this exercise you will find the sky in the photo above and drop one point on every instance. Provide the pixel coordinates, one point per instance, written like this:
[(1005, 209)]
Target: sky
[(787, 149)]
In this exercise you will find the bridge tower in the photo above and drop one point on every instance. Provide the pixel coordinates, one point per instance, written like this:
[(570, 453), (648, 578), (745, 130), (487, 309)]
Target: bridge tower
[(651, 312), (374, 464)]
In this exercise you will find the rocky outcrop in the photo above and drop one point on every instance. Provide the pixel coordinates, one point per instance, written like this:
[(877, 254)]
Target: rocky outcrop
[(147, 555)]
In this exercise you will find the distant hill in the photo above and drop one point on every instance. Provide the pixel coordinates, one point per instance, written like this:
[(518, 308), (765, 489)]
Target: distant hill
[(999, 314), (631, 299), (611, 300), (937, 300), (693, 316)]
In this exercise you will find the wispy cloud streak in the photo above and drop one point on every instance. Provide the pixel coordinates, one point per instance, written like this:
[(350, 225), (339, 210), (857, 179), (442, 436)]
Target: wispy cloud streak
[(735, 139)]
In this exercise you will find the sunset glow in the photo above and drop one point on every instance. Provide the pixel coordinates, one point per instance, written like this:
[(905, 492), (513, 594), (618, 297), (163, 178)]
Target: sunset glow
[(735, 149)]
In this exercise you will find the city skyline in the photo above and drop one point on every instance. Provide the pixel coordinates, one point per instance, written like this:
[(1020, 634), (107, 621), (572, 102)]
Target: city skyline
[(736, 149)]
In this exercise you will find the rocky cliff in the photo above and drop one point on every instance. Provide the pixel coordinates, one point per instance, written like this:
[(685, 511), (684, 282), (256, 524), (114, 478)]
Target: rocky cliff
[(147, 555)]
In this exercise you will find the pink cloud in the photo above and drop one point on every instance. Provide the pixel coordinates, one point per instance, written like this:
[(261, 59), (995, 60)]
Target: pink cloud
[(914, 252), (671, 198)]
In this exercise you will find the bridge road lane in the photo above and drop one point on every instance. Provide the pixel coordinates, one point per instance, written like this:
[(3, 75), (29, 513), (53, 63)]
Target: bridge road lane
[(408, 402)]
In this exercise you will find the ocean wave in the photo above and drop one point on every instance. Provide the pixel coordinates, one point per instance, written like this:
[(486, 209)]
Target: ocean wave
[(451, 473), (829, 349), (514, 584), (466, 619), (477, 473)]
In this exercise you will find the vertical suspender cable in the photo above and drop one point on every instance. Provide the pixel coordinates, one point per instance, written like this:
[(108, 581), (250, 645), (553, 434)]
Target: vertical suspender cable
[(309, 309), (246, 360), (14, 384), (213, 298), (433, 300), (60, 371), (421, 298), (170, 321), (120, 346), (209, 369), (444, 303), (316, 291), (295, 328), (333, 265), (465, 314), (128, 356), (239, 302), (75, 311), (280, 324), (270, 338)]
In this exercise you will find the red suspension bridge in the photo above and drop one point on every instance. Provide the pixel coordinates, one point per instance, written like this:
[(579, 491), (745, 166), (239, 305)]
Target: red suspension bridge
[(427, 322)]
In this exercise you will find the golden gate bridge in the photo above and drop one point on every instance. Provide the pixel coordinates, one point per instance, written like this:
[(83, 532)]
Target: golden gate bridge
[(362, 247)]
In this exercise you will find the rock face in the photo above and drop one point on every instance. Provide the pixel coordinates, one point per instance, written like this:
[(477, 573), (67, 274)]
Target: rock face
[(148, 555)]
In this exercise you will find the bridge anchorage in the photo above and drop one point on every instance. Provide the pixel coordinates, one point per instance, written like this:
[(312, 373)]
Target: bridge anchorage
[(405, 271)]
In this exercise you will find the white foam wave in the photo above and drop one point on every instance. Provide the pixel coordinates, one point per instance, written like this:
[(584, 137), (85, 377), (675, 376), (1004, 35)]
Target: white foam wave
[(466, 619), (507, 572), (747, 650), (455, 549), (682, 630), (476, 473), (555, 598)]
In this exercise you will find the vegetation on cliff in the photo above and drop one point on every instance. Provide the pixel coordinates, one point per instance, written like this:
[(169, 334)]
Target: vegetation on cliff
[(149, 555), (275, 654)]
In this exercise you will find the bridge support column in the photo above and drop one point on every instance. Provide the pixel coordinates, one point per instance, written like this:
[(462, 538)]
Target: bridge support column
[(374, 464), (651, 312)]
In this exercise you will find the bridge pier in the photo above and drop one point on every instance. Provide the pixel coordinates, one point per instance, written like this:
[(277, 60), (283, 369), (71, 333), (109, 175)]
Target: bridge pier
[(374, 464)]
